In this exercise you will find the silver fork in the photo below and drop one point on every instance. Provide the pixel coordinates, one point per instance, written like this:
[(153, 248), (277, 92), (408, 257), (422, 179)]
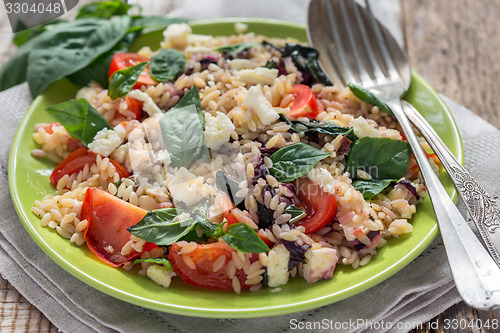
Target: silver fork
[(353, 37)]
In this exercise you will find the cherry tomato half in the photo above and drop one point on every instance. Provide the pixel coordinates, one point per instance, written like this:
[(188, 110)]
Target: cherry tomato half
[(108, 218), (203, 258), (304, 103), (75, 162), (320, 206), (124, 60)]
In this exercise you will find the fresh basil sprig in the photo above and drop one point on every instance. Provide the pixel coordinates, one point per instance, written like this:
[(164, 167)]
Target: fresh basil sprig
[(159, 261), (296, 212), (315, 126), (123, 80), (159, 227), (370, 188), (368, 97), (69, 47), (182, 131), (382, 158), (79, 118), (244, 239), (294, 161), (104, 9), (234, 49), (167, 65)]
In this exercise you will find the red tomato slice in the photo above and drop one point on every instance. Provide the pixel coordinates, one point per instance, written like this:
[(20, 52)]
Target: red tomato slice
[(228, 213), (108, 219), (124, 60), (304, 103), (75, 162), (203, 258), (320, 206)]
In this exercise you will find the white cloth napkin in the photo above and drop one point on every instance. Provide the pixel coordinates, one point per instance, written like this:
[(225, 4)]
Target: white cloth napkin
[(414, 295)]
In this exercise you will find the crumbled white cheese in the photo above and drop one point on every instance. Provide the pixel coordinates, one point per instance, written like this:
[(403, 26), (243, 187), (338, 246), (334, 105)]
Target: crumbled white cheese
[(164, 157), (320, 264), (218, 129), (148, 104), (107, 140), (277, 269), (323, 178), (259, 75), (258, 103), (363, 129), (240, 27), (186, 187), (176, 35), (238, 64), (160, 275)]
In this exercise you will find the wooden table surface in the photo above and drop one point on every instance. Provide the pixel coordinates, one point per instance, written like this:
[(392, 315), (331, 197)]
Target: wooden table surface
[(453, 44)]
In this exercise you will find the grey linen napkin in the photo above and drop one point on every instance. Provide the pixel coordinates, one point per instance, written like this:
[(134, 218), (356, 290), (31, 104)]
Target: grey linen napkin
[(414, 295)]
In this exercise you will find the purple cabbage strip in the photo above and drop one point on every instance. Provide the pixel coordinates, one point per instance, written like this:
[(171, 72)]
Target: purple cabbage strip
[(297, 253), (409, 187), (345, 146)]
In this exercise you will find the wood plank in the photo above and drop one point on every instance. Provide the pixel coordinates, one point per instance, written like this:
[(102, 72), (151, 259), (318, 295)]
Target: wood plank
[(454, 45), (18, 315)]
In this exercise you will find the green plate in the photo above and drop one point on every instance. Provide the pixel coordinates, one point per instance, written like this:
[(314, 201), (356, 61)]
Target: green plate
[(29, 180)]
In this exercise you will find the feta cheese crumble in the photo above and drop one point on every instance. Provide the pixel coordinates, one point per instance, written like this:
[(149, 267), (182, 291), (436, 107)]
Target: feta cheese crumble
[(107, 140), (218, 129), (258, 103)]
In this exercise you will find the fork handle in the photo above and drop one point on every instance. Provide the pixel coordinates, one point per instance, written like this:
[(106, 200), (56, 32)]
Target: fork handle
[(475, 273), (483, 209)]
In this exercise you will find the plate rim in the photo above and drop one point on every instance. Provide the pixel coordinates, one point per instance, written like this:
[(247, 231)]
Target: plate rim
[(222, 313)]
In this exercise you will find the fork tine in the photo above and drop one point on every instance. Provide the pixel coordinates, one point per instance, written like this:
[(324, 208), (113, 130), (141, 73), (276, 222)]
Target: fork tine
[(363, 75), (341, 52), (386, 56), (378, 74)]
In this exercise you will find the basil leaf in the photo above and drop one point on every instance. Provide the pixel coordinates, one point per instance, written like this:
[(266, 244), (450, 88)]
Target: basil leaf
[(159, 261), (183, 137), (244, 239), (192, 97), (234, 49), (294, 161), (296, 212), (23, 36), (306, 60), (153, 22), (370, 188), (103, 9), (158, 227), (14, 71), (123, 80), (369, 98), (68, 47), (212, 230), (315, 126), (167, 65), (382, 158), (98, 70), (79, 118)]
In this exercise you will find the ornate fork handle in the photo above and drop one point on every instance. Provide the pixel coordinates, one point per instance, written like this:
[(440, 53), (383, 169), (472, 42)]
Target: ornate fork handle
[(484, 210)]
